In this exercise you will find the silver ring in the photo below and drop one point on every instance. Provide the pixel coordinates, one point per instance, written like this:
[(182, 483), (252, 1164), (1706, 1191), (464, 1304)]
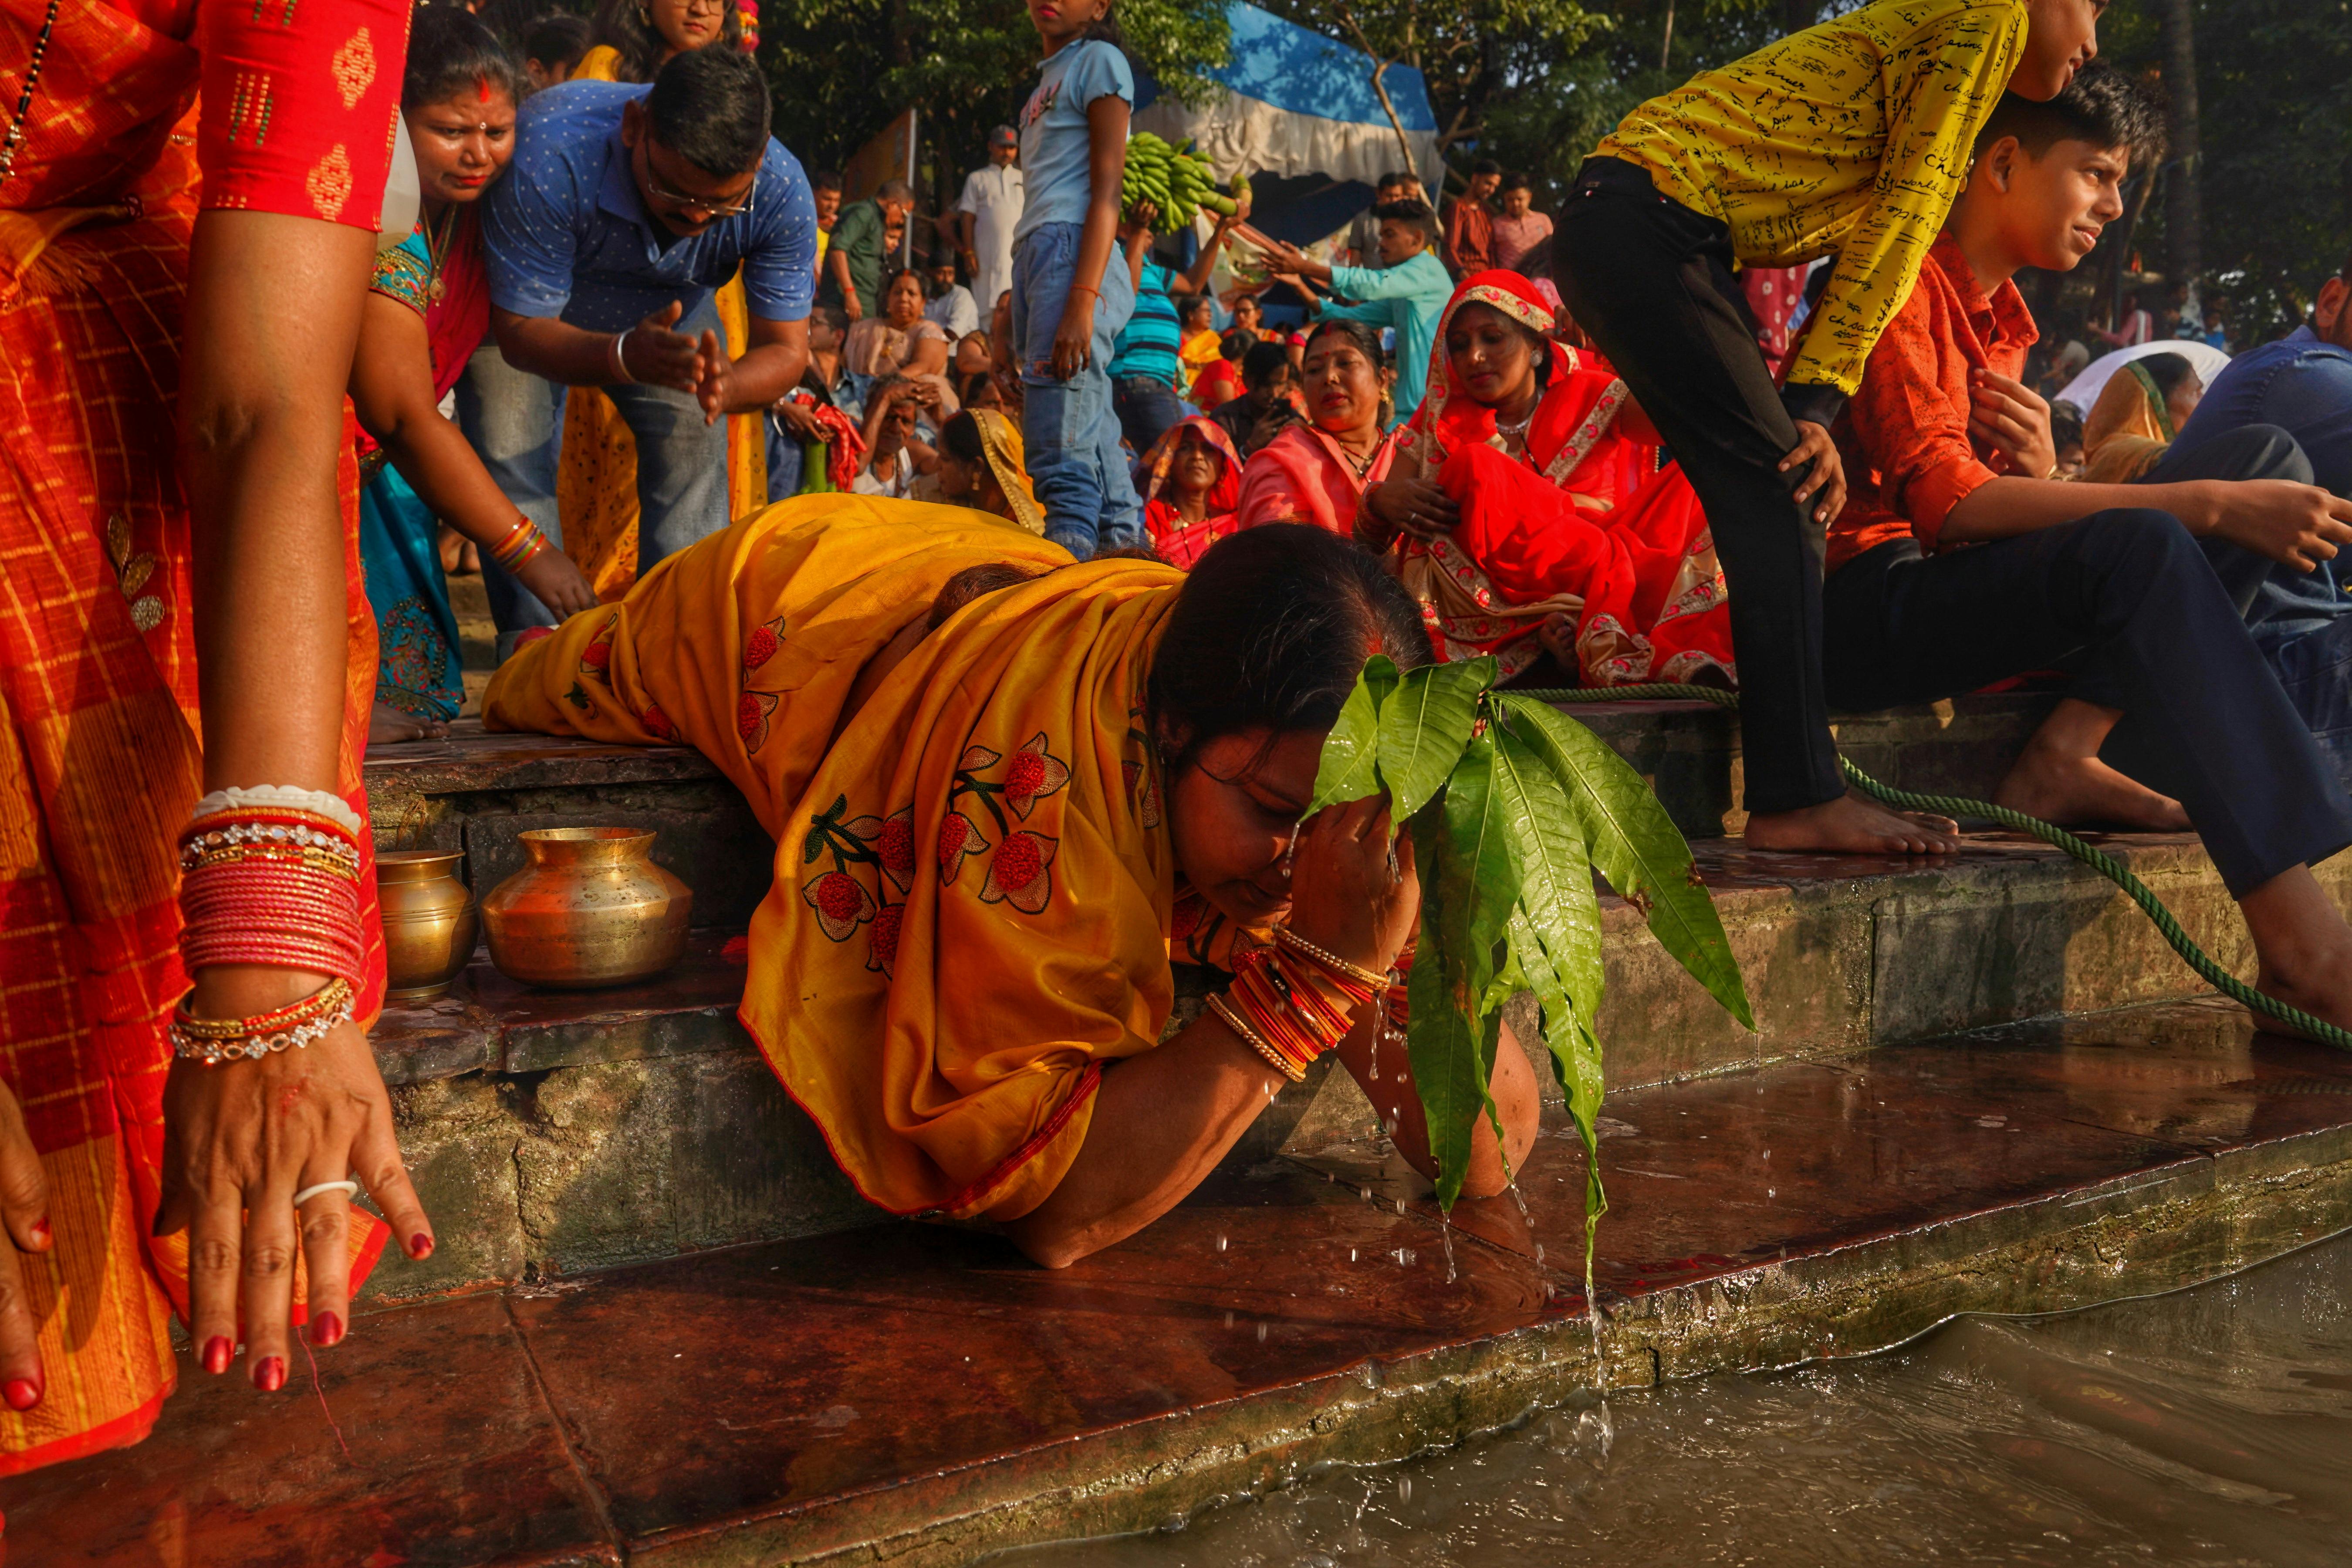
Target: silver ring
[(348, 1190)]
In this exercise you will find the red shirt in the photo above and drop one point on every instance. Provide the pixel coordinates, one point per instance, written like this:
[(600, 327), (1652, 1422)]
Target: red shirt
[(1470, 237), (1904, 436)]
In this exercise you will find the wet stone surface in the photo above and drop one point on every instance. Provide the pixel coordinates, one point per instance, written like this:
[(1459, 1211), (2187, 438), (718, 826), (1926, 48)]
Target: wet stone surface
[(923, 1388)]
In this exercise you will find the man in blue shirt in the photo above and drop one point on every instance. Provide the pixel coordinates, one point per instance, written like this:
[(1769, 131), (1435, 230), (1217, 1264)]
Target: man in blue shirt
[(2302, 385), (1407, 292), (1145, 365), (625, 208)]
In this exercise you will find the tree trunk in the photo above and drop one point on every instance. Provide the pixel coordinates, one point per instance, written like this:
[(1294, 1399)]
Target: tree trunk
[(1666, 43), (2184, 203)]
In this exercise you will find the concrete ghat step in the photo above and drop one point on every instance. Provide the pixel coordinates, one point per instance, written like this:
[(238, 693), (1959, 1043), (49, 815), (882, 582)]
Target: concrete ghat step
[(554, 1131), (920, 1395)]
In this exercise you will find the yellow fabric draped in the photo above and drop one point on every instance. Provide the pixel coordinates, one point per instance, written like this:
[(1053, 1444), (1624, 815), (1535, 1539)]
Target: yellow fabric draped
[(2129, 429), (597, 487), (975, 888)]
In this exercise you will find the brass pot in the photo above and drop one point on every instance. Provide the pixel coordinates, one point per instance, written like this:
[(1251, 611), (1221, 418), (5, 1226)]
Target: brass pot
[(590, 910), (428, 921)]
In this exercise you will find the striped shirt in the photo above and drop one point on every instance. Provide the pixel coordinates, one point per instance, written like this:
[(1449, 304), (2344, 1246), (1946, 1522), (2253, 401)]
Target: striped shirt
[(1852, 139), (1147, 349)]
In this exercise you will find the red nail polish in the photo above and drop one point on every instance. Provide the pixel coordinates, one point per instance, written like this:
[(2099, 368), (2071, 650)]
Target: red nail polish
[(40, 1233), (21, 1392), (270, 1375), (218, 1353), (420, 1246), (326, 1329)]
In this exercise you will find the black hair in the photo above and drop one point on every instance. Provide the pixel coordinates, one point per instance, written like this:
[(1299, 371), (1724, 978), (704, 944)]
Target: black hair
[(1191, 303), (1363, 335), (961, 435), (2067, 426), (1417, 214), (1236, 344), (891, 281), (2102, 106), (710, 108), (627, 25), (558, 38), (2168, 370), (825, 180), (451, 51), (1271, 628), (895, 191), (1390, 180), (832, 316), (944, 255), (1486, 166), (1105, 29), (1515, 181), (1261, 361)]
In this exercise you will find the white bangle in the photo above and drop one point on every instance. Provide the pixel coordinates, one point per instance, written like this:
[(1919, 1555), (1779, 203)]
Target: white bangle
[(620, 359), (286, 798)]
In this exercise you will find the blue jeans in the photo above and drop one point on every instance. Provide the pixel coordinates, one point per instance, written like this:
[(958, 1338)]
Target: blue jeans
[(1147, 409), (2316, 671), (681, 461), (1070, 427), (514, 421)]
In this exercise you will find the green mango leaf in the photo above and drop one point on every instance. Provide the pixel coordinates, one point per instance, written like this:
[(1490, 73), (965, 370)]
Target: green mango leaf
[(1480, 870), (1555, 893), (1351, 764), (1575, 1053), (1634, 845), (1424, 725), (1444, 1042)]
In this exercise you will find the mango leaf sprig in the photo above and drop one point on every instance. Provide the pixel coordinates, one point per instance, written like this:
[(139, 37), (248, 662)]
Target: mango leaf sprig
[(1175, 181), (1513, 806)]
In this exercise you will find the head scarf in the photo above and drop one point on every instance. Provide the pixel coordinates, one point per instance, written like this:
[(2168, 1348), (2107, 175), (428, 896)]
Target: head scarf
[(1225, 495), (1008, 460), (2129, 429), (1580, 404)]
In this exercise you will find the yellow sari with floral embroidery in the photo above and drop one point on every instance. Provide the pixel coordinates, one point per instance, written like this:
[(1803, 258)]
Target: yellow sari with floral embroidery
[(975, 894)]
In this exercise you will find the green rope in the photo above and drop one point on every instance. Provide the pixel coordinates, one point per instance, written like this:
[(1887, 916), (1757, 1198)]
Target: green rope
[(2105, 865)]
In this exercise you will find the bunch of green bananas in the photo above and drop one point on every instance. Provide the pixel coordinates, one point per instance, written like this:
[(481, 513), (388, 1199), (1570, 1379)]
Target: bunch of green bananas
[(1174, 180)]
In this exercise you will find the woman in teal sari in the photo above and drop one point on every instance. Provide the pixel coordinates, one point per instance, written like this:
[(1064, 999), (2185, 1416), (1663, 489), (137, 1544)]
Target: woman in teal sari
[(426, 311)]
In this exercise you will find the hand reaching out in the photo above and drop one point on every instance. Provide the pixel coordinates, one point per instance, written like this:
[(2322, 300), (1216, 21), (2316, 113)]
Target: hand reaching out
[(554, 579)]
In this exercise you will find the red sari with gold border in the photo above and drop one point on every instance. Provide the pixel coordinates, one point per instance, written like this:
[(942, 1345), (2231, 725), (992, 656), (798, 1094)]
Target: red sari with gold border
[(99, 747)]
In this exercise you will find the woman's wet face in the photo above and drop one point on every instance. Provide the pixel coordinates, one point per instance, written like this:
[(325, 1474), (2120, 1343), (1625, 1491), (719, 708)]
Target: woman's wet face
[(463, 141), (906, 301), (1343, 385), (1492, 356), (1233, 810)]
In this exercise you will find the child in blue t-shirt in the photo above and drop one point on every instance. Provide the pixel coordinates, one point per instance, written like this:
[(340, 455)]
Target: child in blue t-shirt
[(1069, 303)]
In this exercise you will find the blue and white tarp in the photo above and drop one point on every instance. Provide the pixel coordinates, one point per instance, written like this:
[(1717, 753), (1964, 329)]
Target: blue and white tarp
[(1296, 102)]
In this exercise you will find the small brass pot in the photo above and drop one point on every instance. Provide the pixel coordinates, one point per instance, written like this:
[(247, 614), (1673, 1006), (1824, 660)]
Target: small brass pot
[(590, 910), (428, 921)]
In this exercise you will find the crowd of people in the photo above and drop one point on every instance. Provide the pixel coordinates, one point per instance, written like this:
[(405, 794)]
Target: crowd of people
[(1019, 590)]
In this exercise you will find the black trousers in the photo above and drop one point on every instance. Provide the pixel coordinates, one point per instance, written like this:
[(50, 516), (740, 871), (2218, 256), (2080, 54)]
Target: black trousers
[(2133, 597), (1651, 281)]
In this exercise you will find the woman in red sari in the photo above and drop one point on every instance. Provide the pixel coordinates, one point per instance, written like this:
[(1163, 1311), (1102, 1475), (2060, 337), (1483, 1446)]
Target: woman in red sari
[(1194, 484), (1504, 513), (1318, 472), (136, 1183)]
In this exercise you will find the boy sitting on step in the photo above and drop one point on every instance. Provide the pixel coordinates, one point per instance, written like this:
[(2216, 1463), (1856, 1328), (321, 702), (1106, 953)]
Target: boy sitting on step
[(1961, 562)]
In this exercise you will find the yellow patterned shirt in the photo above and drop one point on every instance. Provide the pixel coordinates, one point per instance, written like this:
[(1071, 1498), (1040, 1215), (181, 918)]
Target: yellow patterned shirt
[(1849, 139)]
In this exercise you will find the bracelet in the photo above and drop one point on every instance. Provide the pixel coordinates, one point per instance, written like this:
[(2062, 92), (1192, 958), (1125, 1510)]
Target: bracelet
[(1233, 1020), (1081, 288), (290, 797), (621, 359), (277, 887), (521, 544), (1331, 961), (211, 1041)]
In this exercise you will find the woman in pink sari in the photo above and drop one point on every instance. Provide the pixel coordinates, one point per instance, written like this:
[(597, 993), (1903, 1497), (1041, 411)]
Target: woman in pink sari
[(1505, 512), (1318, 472)]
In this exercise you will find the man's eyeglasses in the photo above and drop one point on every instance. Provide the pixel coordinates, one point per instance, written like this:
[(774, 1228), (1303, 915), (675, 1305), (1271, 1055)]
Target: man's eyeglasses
[(711, 211)]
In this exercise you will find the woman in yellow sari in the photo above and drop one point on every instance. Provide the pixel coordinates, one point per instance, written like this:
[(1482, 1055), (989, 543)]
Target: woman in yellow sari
[(1007, 791), (597, 486), (2132, 425)]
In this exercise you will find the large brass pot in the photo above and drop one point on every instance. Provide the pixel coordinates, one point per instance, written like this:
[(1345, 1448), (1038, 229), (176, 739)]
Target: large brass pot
[(590, 910), (428, 921)]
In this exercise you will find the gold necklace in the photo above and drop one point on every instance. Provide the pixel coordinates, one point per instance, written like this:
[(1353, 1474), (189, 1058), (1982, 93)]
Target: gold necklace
[(436, 252)]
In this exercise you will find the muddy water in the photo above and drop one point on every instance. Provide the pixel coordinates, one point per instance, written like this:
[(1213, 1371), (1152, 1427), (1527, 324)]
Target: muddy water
[(2214, 1425)]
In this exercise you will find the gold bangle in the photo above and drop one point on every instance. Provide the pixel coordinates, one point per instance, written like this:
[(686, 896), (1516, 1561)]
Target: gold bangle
[(1331, 961), (1231, 1017)]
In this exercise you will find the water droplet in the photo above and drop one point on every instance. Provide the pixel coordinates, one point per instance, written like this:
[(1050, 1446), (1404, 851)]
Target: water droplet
[(1405, 1488), (1538, 1253), (1351, 1255), (1403, 1256), (1220, 1242), (1261, 1333), (1399, 1203), (1229, 1320)]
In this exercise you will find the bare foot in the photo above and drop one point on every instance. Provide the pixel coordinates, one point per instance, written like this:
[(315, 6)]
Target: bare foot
[(2303, 948), (2072, 790), (1853, 825), (388, 727), (2325, 995)]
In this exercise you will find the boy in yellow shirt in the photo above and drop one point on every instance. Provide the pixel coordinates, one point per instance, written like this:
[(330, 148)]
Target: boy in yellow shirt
[(1849, 140)]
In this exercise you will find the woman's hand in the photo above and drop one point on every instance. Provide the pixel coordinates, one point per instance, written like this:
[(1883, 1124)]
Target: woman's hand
[(24, 1206), (239, 1140), (555, 581), (1074, 339), (1347, 895), (1417, 507), (1815, 451), (2013, 420)]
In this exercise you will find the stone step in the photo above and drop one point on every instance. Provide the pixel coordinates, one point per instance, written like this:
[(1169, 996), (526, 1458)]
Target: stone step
[(920, 1395), (558, 1131)]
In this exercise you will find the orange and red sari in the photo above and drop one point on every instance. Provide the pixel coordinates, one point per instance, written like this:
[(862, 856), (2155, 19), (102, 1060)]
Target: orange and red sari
[(1565, 526), (99, 748), (1180, 543)]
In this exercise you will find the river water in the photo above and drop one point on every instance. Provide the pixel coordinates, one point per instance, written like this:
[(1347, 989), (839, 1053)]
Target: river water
[(2211, 1426)]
